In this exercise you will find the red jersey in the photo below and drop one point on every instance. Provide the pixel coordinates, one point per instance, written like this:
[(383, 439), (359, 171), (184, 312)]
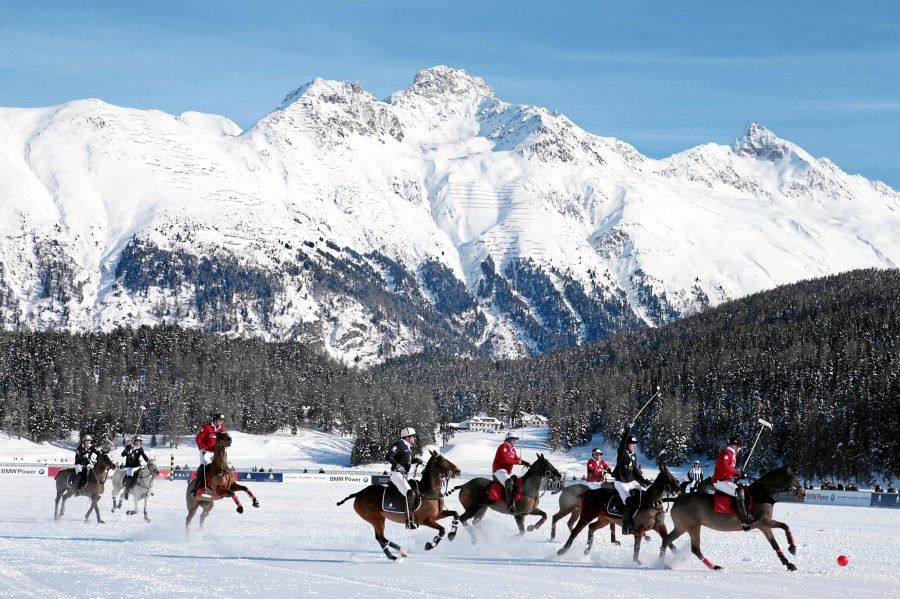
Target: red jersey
[(596, 469), (206, 438), (726, 465), (506, 458)]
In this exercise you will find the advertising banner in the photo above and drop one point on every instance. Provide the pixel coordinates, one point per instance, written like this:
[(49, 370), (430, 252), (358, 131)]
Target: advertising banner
[(819, 497), (23, 470), (885, 500)]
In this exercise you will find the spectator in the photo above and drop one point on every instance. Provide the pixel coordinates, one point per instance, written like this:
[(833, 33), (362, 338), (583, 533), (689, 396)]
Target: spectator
[(321, 471), (253, 469), (305, 471), (878, 488), (892, 488), (270, 469)]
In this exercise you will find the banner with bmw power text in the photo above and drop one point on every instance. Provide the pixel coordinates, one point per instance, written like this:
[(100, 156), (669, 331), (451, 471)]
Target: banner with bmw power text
[(23, 471)]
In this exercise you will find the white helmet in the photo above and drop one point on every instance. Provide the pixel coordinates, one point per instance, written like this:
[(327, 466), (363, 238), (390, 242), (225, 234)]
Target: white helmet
[(408, 432), (86, 438)]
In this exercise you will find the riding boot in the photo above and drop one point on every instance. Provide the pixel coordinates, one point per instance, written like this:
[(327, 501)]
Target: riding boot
[(628, 511), (81, 481), (509, 493), (126, 482), (740, 503), (411, 523)]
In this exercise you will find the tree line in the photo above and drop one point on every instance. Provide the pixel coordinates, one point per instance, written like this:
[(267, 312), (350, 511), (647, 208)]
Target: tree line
[(819, 359)]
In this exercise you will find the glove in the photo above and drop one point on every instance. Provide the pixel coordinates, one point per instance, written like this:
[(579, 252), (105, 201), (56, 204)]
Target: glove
[(401, 470), (630, 425), (418, 461), (526, 464)]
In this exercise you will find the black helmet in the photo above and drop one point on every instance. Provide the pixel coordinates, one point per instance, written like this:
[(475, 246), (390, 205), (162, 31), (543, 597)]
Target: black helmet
[(631, 439), (736, 440), (218, 416)]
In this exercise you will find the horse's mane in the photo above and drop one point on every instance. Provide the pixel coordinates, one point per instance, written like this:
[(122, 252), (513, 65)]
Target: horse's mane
[(773, 481)]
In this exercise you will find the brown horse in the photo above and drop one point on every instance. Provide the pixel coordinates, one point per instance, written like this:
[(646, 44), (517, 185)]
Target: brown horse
[(93, 488), (473, 496), (367, 504), (695, 510), (570, 499), (649, 516), (221, 481)]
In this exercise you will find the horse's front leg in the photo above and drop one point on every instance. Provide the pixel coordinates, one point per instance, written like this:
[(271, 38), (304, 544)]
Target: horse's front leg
[(454, 525), (146, 497), (520, 522), (792, 547), (612, 534), (431, 523), (771, 537), (638, 537), (237, 487), (536, 512)]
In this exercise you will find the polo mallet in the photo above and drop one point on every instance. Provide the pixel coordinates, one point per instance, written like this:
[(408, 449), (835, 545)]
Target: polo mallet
[(763, 425), (647, 403), (137, 425)]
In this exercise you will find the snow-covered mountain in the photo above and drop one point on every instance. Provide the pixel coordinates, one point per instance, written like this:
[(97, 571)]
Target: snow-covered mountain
[(440, 219)]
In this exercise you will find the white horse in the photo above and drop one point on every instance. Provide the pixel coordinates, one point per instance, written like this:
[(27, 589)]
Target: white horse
[(144, 477)]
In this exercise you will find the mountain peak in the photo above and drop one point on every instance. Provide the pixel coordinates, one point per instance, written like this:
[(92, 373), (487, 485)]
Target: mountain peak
[(325, 88), (446, 81), (759, 142)]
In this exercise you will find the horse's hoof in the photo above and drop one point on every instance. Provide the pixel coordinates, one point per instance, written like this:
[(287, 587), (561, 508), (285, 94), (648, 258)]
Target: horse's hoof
[(561, 551), (587, 550), (791, 567), (616, 542), (451, 536), (530, 527), (639, 562), (718, 568), (101, 521), (255, 503), (429, 546), (146, 519), (404, 552), (793, 549), (240, 509)]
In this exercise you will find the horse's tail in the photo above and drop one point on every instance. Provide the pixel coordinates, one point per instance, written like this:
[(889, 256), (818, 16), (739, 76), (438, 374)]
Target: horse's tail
[(351, 496), (453, 490)]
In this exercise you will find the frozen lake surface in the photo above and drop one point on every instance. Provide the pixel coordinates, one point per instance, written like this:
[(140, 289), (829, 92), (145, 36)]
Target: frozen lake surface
[(300, 544)]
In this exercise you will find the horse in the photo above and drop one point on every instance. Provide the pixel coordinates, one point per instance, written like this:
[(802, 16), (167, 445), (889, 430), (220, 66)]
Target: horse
[(695, 510), (143, 483), (221, 481), (474, 497), (93, 488), (367, 504), (649, 516), (570, 499)]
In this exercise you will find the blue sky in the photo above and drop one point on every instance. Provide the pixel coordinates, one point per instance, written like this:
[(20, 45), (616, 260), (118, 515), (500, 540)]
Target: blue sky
[(663, 75)]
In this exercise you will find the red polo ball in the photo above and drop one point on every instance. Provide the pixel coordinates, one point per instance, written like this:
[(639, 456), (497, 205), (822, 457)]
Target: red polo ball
[(843, 560)]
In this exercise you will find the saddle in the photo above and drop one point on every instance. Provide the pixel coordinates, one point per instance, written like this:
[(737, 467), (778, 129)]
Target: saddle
[(495, 491), (723, 503), (394, 501), (615, 507)]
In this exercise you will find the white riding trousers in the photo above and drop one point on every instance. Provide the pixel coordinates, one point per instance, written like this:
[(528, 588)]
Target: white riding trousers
[(625, 489), (203, 459), (399, 481), (502, 476), (726, 486), (132, 469)]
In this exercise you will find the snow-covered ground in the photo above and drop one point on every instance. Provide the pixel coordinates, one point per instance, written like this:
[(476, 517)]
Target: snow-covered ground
[(301, 544)]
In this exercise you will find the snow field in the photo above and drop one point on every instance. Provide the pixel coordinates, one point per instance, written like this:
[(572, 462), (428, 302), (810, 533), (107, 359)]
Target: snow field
[(300, 543)]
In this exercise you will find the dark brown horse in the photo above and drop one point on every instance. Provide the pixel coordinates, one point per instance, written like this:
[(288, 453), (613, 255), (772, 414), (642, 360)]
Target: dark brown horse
[(221, 481), (367, 504), (649, 516), (93, 488), (695, 510), (570, 499), (473, 496)]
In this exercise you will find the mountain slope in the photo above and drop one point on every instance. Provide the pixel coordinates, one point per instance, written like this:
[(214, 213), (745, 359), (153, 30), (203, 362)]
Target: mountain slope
[(440, 219)]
